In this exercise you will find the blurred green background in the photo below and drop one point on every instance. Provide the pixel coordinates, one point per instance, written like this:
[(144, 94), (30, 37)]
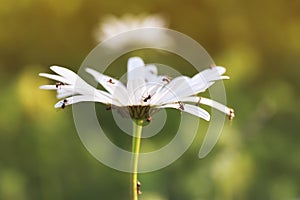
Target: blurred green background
[(257, 157)]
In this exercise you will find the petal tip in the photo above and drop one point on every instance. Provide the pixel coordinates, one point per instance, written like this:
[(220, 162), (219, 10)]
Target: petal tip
[(57, 69), (88, 69), (42, 87), (135, 62), (207, 118)]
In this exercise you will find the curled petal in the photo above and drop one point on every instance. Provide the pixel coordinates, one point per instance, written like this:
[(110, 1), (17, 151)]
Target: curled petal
[(205, 101), (177, 88), (107, 82), (136, 89), (220, 69), (48, 87), (66, 73), (203, 80), (115, 87), (151, 69), (194, 110), (61, 95), (55, 77), (151, 73), (81, 98), (135, 68)]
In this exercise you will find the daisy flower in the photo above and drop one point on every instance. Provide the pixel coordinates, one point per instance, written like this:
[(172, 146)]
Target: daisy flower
[(112, 26), (144, 93)]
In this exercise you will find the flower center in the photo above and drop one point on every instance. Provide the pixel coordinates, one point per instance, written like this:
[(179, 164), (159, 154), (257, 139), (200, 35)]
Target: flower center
[(139, 112)]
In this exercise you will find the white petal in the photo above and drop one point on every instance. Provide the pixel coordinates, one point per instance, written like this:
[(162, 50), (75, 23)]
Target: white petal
[(215, 105), (48, 87), (64, 72), (220, 78), (208, 102), (194, 110), (120, 94), (56, 87), (134, 62), (80, 98), (151, 73), (55, 77), (73, 100), (60, 104), (62, 90), (62, 95), (71, 78), (203, 80), (151, 69), (156, 86), (104, 97), (225, 77), (136, 89), (152, 89), (221, 70), (177, 88), (82, 87), (135, 68), (115, 87), (107, 82), (66, 91), (86, 90)]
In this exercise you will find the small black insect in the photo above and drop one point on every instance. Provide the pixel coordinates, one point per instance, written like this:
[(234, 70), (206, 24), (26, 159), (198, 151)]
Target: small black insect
[(198, 103), (147, 98), (65, 101), (181, 106), (166, 79), (212, 66), (59, 84), (111, 81), (108, 107)]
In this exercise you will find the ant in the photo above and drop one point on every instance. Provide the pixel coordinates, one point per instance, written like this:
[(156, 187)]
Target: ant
[(166, 79), (212, 66), (111, 81), (64, 103), (59, 84), (147, 98), (149, 119), (138, 187), (181, 106), (231, 114), (108, 107), (198, 103)]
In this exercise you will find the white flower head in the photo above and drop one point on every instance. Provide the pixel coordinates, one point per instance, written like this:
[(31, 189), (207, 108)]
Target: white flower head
[(112, 26), (144, 93)]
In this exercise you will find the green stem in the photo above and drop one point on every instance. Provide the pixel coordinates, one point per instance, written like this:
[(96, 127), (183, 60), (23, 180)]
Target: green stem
[(136, 144)]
